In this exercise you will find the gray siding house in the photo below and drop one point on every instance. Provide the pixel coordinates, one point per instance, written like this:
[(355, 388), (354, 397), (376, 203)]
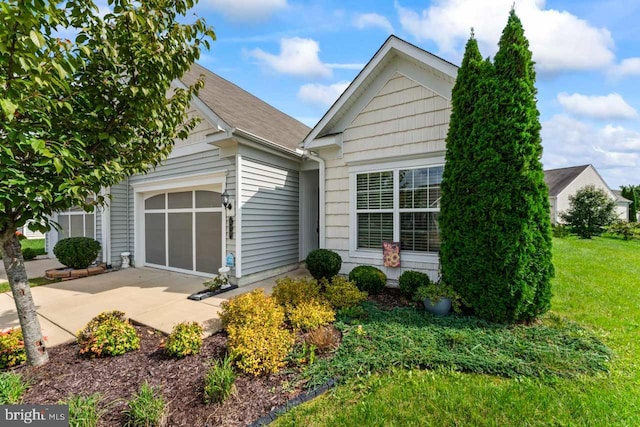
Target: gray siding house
[(172, 217)]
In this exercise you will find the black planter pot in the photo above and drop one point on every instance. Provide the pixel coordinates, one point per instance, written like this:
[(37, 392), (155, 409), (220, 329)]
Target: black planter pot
[(208, 294)]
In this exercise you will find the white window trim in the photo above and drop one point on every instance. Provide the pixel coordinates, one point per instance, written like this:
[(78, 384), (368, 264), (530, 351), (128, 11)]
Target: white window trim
[(395, 167), (143, 190)]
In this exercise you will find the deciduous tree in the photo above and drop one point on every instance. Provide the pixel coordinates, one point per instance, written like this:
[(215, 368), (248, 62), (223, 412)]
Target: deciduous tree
[(590, 211), (80, 115)]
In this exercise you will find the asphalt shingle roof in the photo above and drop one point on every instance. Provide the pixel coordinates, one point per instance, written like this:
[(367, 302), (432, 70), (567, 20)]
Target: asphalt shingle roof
[(243, 111), (558, 179)]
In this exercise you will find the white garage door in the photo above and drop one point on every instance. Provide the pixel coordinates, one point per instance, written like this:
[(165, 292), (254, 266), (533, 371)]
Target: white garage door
[(183, 231)]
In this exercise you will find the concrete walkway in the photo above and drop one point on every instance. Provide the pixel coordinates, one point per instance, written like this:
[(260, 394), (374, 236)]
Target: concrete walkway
[(152, 297), (35, 268)]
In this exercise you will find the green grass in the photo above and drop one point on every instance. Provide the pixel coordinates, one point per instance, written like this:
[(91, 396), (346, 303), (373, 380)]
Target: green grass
[(596, 285), (146, 408), (36, 281), (12, 387), (35, 244), (84, 411)]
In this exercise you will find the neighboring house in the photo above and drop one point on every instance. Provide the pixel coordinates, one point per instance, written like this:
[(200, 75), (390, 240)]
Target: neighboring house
[(172, 218), (382, 151), (565, 182), (30, 234)]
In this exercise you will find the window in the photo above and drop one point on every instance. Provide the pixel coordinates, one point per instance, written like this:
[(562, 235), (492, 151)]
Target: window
[(76, 223), (399, 205)]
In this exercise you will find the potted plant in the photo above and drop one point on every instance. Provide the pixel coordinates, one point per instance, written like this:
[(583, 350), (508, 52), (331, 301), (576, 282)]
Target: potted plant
[(438, 298)]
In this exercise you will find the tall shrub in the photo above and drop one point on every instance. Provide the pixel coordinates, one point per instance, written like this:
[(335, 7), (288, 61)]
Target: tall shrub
[(457, 250), (632, 192), (505, 268)]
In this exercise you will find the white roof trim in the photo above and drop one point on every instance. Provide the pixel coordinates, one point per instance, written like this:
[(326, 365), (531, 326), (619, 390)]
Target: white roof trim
[(392, 45), (207, 112)]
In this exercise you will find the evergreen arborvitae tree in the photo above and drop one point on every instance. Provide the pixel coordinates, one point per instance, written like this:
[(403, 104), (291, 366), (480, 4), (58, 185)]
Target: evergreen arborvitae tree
[(632, 192), (507, 262), (455, 221)]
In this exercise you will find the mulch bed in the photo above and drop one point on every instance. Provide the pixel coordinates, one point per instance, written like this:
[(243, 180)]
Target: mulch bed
[(391, 298), (181, 381)]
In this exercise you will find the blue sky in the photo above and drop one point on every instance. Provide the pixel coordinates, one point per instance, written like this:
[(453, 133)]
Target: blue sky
[(300, 55)]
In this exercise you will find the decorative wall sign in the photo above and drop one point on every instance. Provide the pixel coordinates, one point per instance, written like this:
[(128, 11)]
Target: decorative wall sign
[(391, 254)]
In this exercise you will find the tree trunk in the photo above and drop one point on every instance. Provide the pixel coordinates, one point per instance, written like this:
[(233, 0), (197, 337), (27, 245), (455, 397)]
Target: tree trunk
[(16, 273)]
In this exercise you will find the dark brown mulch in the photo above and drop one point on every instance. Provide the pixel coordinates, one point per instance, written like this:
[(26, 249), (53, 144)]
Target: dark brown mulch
[(391, 298), (181, 381)]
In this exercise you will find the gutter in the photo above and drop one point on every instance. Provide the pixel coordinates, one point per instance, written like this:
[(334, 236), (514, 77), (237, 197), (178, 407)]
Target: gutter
[(321, 203), (266, 142)]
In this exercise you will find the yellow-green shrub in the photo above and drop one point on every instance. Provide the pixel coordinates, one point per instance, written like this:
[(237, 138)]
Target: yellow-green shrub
[(185, 339), (12, 351), (343, 293), (250, 308), (291, 292), (257, 338), (108, 334), (311, 314), (259, 348)]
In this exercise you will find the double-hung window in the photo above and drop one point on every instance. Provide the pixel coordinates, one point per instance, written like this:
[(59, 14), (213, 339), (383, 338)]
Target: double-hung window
[(75, 222), (400, 204)]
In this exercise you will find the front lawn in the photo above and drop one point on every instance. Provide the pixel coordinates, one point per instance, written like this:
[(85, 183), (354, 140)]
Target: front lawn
[(36, 244), (596, 285), (36, 281)]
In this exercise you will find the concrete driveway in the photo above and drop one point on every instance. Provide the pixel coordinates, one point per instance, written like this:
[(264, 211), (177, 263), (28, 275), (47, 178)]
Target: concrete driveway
[(155, 298)]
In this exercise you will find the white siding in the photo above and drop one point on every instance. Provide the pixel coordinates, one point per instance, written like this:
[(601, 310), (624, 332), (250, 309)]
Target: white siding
[(270, 230), (588, 177), (404, 120)]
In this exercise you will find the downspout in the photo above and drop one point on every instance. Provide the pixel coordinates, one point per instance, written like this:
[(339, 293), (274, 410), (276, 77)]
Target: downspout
[(321, 202)]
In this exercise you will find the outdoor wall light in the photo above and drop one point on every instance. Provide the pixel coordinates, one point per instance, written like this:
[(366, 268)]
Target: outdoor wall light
[(225, 200)]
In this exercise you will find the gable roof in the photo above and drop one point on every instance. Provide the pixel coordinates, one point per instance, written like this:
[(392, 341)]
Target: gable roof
[(619, 197), (558, 179), (243, 111), (392, 48)]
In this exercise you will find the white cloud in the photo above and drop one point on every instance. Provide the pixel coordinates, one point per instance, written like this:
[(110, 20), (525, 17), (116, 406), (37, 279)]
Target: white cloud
[(321, 95), (297, 56), (613, 150), (247, 10), (611, 106), (346, 66), (559, 40), (372, 20), (627, 67)]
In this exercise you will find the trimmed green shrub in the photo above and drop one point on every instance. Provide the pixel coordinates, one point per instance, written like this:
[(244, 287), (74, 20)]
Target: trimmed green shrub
[(185, 339), (84, 411), (409, 282), (323, 263), (368, 278), (77, 252), (291, 292), (560, 231), (258, 341), (12, 387), (146, 408), (29, 253), (108, 334), (12, 352), (343, 293), (219, 381)]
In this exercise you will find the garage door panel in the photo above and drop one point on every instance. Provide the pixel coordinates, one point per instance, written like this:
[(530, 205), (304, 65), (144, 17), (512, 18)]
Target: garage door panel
[(180, 229), (208, 250), (154, 238)]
